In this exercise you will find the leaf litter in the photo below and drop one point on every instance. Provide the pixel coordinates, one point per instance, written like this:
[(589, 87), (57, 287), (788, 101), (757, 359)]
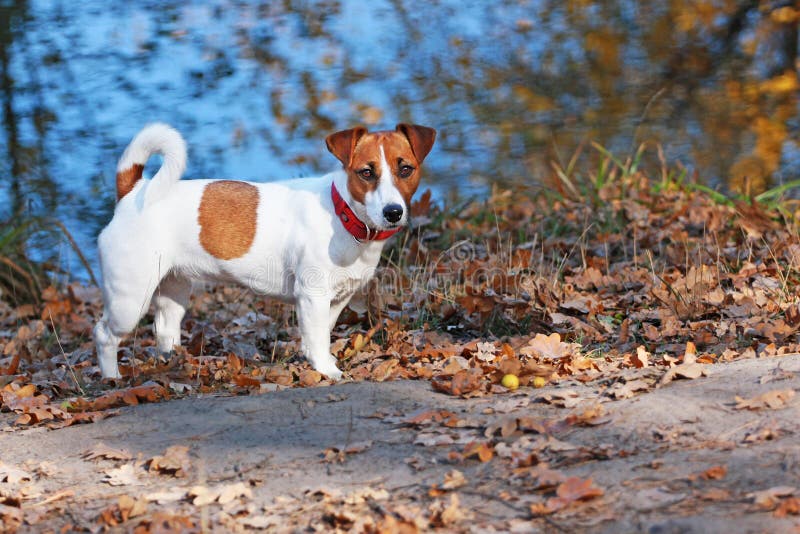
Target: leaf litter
[(584, 305)]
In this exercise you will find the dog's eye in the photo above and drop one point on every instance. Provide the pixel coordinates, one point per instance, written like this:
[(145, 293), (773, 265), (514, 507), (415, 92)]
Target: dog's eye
[(406, 171), (366, 174)]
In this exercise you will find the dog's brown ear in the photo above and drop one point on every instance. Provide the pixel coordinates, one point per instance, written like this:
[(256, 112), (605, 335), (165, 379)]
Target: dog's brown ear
[(341, 144), (421, 138)]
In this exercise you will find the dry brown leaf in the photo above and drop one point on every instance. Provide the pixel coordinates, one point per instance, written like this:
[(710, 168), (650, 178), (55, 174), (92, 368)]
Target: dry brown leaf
[(10, 517), (167, 496), (280, 376), (576, 489), (204, 495), (628, 389), (641, 358), (447, 515), (384, 369), (593, 416), (482, 450), (568, 398), (175, 461), (125, 475), (244, 381), (777, 398), (684, 370), (434, 416), (233, 491), (13, 475), (714, 473), (102, 450), (568, 492), (433, 439), (550, 347), (789, 506), (130, 507), (486, 352), (453, 479), (767, 499), (310, 377), (466, 381)]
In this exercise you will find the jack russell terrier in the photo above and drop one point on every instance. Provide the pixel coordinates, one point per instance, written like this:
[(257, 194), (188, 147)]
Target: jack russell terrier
[(312, 241)]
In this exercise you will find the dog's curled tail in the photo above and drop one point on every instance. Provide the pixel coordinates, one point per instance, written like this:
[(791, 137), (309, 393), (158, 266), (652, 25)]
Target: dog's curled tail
[(154, 138)]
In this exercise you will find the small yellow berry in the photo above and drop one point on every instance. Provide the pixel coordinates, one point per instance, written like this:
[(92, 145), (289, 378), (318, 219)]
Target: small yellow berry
[(510, 381), (539, 382)]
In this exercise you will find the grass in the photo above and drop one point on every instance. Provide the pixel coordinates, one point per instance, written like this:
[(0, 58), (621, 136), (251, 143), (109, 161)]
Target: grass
[(26, 268)]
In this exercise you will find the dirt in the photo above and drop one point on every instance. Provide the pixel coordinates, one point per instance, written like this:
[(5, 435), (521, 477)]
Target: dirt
[(677, 458)]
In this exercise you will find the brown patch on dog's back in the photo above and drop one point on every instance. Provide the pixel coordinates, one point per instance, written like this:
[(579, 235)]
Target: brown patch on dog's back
[(227, 218), (127, 179)]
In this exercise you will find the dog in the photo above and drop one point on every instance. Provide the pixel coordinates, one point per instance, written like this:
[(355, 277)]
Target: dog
[(313, 242)]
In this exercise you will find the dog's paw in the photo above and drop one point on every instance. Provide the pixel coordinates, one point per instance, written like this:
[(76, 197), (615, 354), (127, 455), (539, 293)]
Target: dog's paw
[(330, 370), (111, 375), (333, 373)]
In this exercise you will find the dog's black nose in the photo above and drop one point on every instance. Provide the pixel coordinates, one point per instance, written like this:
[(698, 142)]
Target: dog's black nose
[(393, 212)]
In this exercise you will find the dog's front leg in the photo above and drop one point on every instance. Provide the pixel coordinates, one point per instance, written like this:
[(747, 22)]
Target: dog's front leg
[(313, 314)]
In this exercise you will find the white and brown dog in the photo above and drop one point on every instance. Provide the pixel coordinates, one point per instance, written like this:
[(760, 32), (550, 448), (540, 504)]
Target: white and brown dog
[(312, 241)]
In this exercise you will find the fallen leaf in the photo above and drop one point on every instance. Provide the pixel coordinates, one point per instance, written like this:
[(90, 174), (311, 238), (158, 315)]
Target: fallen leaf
[(167, 496), (576, 489), (767, 499), (384, 370), (466, 381), (310, 377), (485, 351), (550, 347), (789, 506), (130, 507), (261, 522), (243, 381), (234, 491), (203, 495), (125, 475), (482, 450), (433, 439), (568, 398), (714, 473), (684, 370), (10, 518), (12, 475), (641, 358), (592, 416), (444, 515), (104, 451), (570, 491), (628, 389), (175, 461), (773, 400), (453, 479)]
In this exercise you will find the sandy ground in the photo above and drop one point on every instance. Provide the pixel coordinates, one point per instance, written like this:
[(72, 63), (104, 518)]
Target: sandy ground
[(677, 458)]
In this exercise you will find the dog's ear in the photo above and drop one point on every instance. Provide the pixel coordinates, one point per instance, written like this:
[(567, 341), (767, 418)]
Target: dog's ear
[(421, 138), (341, 144)]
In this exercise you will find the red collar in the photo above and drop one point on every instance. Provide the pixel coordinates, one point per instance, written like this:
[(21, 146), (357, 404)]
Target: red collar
[(353, 224)]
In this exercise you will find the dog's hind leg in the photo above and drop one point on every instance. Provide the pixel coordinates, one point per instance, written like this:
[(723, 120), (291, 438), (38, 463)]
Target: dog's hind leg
[(170, 301)]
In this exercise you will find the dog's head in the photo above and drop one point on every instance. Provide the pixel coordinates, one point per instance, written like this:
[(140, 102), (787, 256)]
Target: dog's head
[(383, 170)]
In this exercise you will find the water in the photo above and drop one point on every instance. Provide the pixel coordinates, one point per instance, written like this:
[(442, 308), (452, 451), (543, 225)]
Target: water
[(510, 85)]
